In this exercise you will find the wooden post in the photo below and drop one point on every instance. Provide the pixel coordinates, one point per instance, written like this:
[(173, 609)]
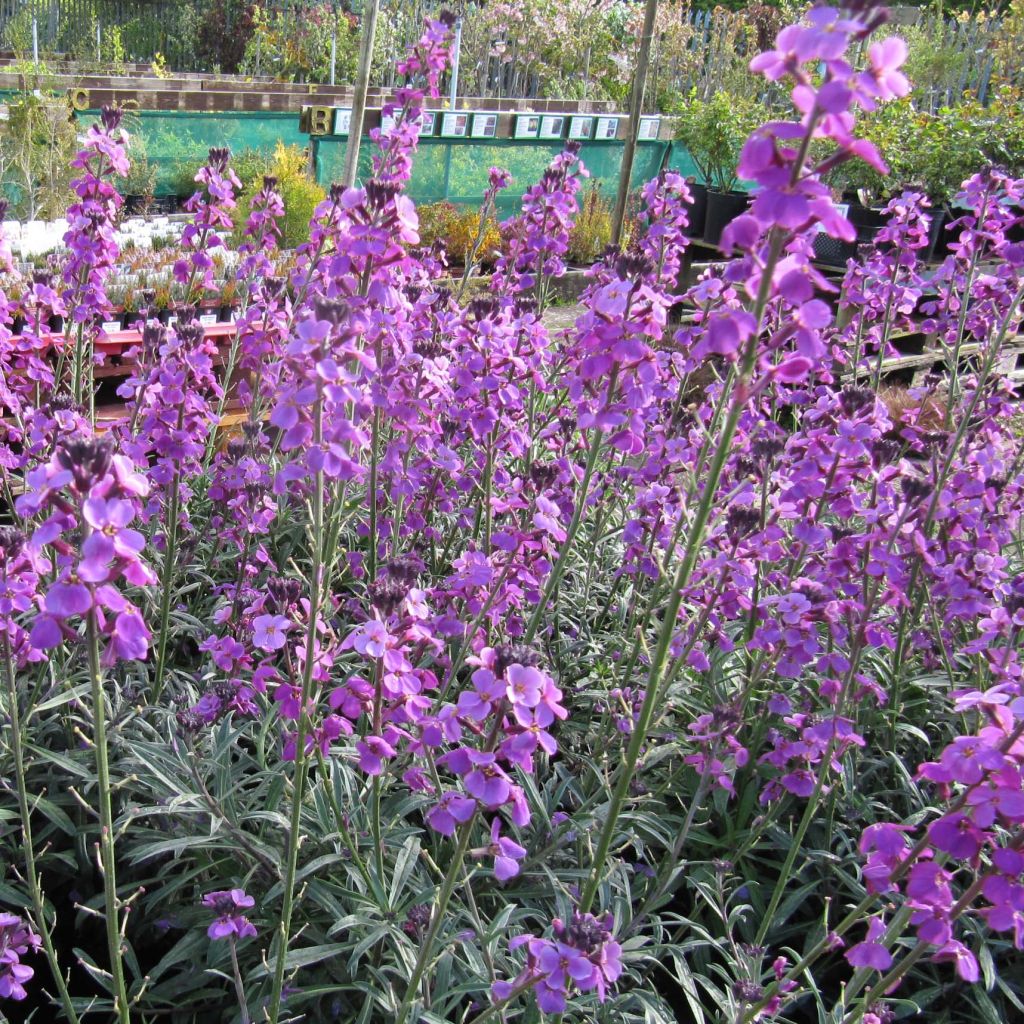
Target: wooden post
[(355, 131), (636, 109)]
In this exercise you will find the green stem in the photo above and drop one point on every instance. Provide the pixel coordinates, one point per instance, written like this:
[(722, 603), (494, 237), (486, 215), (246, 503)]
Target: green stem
[(558, 570), (346, 835), (301, 759), (166, 582), (106, 824), (239, 987), (35, 891), (694, 539), (452, 876), (496, 1009), (371, 554)]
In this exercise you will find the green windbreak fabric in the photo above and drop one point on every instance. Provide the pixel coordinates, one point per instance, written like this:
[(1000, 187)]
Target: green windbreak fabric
[(457, 170), (177, 141)]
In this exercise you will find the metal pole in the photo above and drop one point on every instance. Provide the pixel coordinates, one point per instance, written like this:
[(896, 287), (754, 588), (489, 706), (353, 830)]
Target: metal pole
[(355, 131), (334, 44), (636, 108), (453, 92), (99, 48), (35, 41)]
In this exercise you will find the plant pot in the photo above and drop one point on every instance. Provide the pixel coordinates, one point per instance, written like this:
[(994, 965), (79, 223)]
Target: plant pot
[(227, 314), (208, 314), (938, 238), (114, 322), (56, 323), (132, 321), (833, 251), (165, 204), (1015, 233), (723, 208), (867, 220), (136, 205), (697, 211)]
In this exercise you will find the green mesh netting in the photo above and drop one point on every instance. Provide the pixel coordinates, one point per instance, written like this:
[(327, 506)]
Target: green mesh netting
[(177, 142), (457, 170)]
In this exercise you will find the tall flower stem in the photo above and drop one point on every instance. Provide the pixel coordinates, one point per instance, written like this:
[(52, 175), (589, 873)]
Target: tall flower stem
[(371, 553), (451, 878), (236, 972), (558, 570), (694, 538), (166, 581), (28, 851), (106, 824), (856, 914), (301, 758)]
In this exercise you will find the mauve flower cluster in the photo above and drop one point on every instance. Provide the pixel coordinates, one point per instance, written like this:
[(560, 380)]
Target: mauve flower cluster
[(582, 956), (16, 939), (86, 498)]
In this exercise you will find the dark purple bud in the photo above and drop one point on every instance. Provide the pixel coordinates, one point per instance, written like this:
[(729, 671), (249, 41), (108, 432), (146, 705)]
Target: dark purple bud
[(335, 311), (218, 159), (515, 654), (12, 540), (110, 118), (88, 460)]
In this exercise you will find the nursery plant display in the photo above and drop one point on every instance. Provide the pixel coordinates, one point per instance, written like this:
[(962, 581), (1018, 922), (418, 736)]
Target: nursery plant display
[(663, 668)]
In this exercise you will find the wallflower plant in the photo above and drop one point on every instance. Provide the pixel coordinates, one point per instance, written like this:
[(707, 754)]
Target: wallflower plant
[(665, 667)]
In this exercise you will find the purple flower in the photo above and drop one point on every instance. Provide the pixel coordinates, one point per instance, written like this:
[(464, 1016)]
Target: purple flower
[(871, 952), (16, 939), (505, 852), (525, 685), (270, 632), (373, 751), (227, 904), (451, 810)]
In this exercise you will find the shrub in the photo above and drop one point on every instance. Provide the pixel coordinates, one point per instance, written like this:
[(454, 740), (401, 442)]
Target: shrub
[(713, 131), (298, 189), (592, 231), (458, 228)]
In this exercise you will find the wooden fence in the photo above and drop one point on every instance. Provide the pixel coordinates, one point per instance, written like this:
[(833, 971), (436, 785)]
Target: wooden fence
[(698, 51)]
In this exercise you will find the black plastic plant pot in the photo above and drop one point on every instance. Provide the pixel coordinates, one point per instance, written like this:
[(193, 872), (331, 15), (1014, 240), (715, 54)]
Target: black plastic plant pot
[(697, 211), (938, 236), (833, 251), (723, 208), (867, 220)]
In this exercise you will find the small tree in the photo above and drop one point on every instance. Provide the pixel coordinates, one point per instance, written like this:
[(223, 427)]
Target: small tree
[(37, 144)]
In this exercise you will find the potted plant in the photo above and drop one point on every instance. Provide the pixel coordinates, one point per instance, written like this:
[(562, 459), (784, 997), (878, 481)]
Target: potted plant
[(592, 230), (941, 151), (139, 185), (713, 132), (130, 309), (863, 189), (183, 180), (228, 300), (162, 300)]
